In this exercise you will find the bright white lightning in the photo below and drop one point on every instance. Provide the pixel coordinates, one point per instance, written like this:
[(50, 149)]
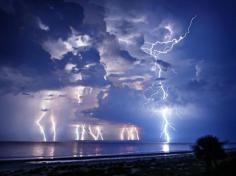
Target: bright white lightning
[(165, 148), (94, 132), (98, 133), (83, 132), (165, 113), (45, 109), (41, 128), (137, 133), (168, 45), (129, 133), (165, 94), (122, 137), (77, 134), (53, 122), (154, 50), (80, 132)]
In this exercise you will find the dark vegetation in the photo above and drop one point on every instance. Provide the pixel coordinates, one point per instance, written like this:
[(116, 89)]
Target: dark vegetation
[(210, 150)]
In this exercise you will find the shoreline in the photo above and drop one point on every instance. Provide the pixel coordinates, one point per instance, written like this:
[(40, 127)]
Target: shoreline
[(28, 164), (180, 163), (95, 157)]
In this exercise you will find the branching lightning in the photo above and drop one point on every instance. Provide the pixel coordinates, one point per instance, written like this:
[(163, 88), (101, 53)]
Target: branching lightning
[(41, 128), (165, 46), (45, 109), (165, 113), (129, 133), (80, 132), (95, 132), (155, 50), (98, 133)]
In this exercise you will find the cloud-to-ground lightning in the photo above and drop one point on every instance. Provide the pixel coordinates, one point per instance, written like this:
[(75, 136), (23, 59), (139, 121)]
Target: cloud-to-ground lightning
[(155, 49), (97, 134), (45, 109), (53, 122), (129, 133), (165, 113), (94, 131), (83, 132), (41, 128), (79, 132), (43, 112)]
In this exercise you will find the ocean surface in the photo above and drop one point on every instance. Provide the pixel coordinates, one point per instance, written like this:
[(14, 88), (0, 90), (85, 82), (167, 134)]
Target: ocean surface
[(42, 150)]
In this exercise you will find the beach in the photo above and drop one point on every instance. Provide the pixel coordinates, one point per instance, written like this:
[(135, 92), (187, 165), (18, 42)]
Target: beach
[(165, 164)]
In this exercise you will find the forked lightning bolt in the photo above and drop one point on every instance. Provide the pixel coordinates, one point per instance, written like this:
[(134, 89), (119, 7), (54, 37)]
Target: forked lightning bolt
[(80, 131), (129, 133), (155, 49), (94, 132), (167, 46), (43, 113), (165, 113), (98, 133), (41, 128)]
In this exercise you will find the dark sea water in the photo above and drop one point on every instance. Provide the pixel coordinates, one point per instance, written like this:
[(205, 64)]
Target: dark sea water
[(41, 150)]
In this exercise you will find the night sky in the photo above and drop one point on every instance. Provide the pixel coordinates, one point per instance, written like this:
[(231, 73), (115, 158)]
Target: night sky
[(81, 62)]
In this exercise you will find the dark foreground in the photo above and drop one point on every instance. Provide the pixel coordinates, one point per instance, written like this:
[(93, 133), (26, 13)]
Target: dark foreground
[(181, 165)]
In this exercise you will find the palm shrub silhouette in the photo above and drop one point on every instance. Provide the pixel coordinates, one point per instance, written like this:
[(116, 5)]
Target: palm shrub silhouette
[(209, 149)]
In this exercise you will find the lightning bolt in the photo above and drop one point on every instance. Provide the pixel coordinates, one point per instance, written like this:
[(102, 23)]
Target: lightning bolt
[(137, 133), (77, 132), (99, 132), (44, 111), (94, 132), (155, 50), (166, 112), (129, 133), (122, 137), (91, 133), (166, 46), (80, 131), (41, 129), (83, 132), (52, 118)]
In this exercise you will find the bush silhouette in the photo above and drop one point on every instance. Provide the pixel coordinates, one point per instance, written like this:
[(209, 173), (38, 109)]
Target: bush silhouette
[(209, 149)]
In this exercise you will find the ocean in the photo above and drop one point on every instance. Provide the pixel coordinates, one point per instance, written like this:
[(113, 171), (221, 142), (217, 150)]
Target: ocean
[(47, 150)]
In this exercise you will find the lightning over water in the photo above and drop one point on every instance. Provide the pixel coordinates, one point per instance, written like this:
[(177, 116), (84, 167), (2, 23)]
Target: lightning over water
[(41, 128), (156, 49), (53, 122), (97, 135), (46, 112), (81, 130), (129, 133), (43, 112), (82, 78)]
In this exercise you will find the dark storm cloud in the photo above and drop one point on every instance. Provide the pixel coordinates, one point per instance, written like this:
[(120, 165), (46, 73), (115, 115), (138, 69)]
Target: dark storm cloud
[(53, 16), (21, 31), (85, 57)]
